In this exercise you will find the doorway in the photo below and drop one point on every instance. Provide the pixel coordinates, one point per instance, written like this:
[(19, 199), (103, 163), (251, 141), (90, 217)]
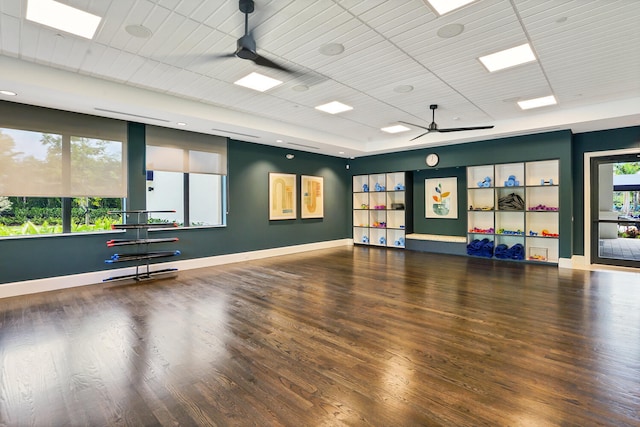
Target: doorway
[(615, 210)]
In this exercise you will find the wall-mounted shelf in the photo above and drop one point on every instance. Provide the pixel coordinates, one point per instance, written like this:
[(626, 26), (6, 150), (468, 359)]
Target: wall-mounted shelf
[(515, 206), (142, 255)]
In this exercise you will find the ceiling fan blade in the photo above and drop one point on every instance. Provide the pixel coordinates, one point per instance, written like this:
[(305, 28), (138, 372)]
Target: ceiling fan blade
[(461, 129), (420, 136), (412, 124), (224, 55), (262, 61)]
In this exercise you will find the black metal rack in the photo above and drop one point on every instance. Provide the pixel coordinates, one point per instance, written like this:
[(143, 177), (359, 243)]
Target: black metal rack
[(142, 257)]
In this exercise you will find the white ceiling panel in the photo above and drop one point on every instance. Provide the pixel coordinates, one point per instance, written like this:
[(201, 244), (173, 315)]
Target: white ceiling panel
[(587, 51)]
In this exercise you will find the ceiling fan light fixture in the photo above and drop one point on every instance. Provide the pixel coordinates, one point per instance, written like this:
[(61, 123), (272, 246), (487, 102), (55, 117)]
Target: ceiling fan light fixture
[(334, 107), (395, 129), (257, 81), (537, 102), (508, 58), (445, 6), (62, 17)]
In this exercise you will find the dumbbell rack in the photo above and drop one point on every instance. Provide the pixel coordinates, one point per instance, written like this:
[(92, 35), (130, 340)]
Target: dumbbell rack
[(142, 256)]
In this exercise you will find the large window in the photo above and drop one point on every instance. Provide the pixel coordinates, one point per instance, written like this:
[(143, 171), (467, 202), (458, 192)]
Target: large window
[(61, 172), (186, 172)]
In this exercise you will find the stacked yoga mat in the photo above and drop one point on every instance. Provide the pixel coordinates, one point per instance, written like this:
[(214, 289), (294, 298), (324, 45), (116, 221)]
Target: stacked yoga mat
[(483, 248), (514, 252)]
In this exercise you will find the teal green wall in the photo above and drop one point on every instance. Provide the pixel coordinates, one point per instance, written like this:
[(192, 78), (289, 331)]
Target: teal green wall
[(448, 227), (248, 227), (453, 162), (605, 140), (136, 167)]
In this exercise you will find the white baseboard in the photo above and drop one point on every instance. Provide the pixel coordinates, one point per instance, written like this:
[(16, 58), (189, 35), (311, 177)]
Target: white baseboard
[(71, 281), (575, 262), (248, 256)]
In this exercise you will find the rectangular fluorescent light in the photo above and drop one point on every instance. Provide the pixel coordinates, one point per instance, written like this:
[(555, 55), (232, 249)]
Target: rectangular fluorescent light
[(508, 58), (334, 107), (446, 6), (537, 102), (258, 82), (62, 17), (395, 129)]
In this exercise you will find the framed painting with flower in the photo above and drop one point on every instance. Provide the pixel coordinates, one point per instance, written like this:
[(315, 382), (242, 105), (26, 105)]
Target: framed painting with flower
[(441, 198)]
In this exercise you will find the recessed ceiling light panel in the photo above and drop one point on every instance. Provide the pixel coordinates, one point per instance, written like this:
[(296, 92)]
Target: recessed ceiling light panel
[(258, 82), (62, 17), (395, 129), (537, 102), (334, 107), (508, 58), (446, 6), (8, 93)]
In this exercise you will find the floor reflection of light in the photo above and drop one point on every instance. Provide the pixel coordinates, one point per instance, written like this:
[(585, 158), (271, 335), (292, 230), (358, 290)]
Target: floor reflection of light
[(615, 331)]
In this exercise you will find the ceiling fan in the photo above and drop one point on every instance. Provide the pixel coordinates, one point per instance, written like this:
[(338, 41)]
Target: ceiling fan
[(433, 127), (246, 45)]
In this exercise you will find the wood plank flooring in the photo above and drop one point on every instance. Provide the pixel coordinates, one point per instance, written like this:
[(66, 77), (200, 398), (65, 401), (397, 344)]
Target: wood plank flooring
[(339, 337)]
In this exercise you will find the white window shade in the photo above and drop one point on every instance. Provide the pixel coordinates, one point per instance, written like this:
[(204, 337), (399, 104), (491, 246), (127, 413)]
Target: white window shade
[(97, 168), (165, 159), (28, 166), (174, 150), (51, 153)]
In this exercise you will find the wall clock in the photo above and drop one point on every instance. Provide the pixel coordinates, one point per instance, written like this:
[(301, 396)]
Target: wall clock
[(432, 159)]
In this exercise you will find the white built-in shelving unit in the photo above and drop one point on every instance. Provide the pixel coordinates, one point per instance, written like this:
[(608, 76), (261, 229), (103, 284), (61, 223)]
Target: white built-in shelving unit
[(516, 204), (380, 211)]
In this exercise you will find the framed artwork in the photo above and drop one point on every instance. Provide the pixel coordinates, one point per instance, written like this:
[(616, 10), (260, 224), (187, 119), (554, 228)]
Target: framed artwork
[(282, 196), (441, 198), (312, 196)]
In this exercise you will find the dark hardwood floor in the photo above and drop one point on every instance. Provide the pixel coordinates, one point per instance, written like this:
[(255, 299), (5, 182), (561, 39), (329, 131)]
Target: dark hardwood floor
[(348, 336)]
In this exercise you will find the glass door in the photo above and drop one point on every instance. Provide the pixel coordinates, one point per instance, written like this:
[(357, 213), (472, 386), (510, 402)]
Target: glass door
[(615, 210)]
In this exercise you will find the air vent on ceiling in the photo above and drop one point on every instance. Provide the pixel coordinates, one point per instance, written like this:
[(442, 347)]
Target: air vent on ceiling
[(302, 145), (235, 133), (130, 114)]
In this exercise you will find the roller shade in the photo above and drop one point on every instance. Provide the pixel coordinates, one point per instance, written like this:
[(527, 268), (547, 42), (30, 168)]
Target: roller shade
[(52, 153), (174, 150)]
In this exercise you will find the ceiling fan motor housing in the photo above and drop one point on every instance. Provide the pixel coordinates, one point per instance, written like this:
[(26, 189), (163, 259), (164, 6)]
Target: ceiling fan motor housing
[(246, 48)]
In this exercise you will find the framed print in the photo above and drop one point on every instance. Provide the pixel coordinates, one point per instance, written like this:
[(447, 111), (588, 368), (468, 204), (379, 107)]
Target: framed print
[(282, 196), (441, 198), (312, 196)]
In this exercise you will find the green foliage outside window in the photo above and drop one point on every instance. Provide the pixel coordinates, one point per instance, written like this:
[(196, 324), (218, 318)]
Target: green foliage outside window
[(39, 215)]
